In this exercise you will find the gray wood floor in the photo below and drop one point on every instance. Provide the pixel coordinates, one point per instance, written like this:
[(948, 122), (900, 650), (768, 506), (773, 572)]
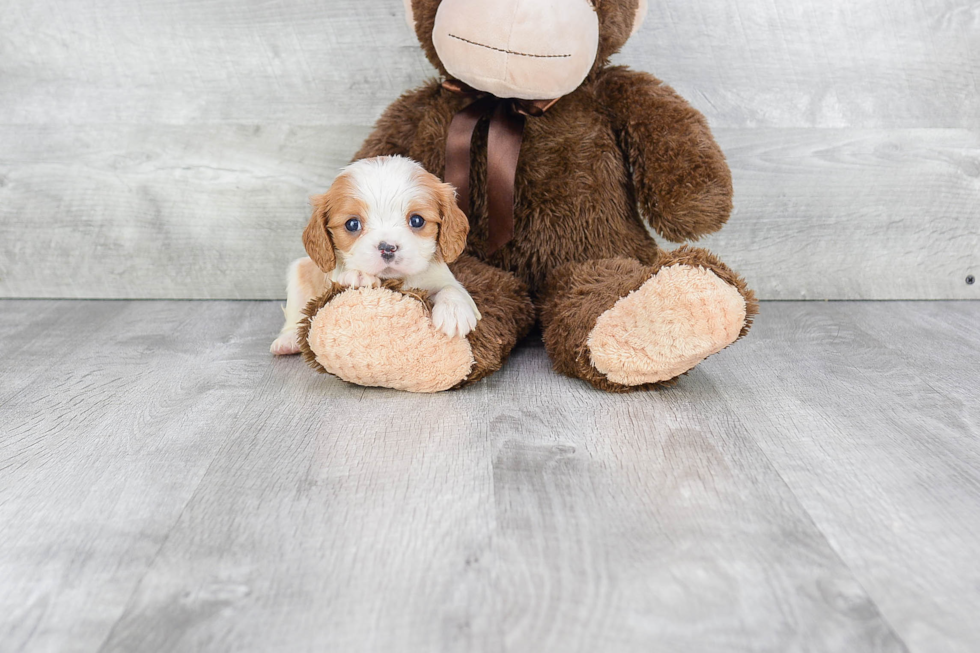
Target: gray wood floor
[(166, 486)]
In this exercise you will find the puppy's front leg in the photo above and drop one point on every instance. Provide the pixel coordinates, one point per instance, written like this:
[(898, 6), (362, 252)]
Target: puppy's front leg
[(356, 279), (304, 282), (453, 310)]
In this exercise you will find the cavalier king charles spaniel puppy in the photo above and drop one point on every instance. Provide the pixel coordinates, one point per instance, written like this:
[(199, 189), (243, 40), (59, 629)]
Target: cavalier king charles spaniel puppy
[(383, 218)]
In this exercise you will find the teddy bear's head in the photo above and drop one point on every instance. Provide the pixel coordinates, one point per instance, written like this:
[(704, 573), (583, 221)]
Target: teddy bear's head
[(528, 49)]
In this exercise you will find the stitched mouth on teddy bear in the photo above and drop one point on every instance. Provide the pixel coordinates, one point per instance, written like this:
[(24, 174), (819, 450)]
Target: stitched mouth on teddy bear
[(506, 51)]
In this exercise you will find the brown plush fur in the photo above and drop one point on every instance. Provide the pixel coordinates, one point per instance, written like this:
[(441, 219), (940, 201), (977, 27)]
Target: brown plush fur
[(575, 197), (621, 152), (508, 314)]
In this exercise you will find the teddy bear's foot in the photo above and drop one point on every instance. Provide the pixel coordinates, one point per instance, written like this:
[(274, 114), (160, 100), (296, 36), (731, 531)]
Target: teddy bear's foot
[(682, 315), (383, 337), (622, 325)]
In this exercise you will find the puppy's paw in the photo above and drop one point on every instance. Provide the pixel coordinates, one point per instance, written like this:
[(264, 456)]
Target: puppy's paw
[(454, 313), (356, 279), (286, 344)]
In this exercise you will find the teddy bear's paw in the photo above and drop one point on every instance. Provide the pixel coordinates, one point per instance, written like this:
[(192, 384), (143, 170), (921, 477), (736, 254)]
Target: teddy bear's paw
[(675, 320), (381, 337)]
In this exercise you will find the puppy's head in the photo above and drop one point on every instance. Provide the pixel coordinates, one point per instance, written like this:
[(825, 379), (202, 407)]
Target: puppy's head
[(387, 217)]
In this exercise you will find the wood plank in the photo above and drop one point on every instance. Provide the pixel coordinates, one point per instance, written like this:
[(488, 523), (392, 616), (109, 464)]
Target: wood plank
[(178, 62), (755, 63), (814, 63), (159, 211), (110, 414), (216, 212), (869, 412), (184, 491), (854, 214), (344, 519), (640, 522)]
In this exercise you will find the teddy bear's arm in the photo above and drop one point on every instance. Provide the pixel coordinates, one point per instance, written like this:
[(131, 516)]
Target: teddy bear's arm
[(396, 129), (683, 185)]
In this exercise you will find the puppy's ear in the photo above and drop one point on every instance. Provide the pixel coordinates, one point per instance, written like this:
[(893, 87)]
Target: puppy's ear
[(454, 227), (316, 238)]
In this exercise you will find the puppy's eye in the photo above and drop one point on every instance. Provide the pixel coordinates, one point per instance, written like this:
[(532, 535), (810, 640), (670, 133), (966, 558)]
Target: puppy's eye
[(416, 221), (352, 225)]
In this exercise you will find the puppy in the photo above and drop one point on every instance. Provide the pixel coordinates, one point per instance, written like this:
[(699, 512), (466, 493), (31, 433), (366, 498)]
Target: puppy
[(383, 218)]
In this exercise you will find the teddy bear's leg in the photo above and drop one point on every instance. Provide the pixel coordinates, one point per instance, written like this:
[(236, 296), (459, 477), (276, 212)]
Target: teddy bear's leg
[(385, 337), (623, 325)]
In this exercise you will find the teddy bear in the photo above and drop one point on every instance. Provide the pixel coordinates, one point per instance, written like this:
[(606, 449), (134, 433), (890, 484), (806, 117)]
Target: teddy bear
[(562, 162)]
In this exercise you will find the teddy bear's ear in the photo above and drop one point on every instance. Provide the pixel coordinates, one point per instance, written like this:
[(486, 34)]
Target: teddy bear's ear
[(410, 15), (641, 13)]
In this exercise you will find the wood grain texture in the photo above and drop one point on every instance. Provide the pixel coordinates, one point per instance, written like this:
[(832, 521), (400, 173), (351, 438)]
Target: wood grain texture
[(214, 61), (217, 211), (165, 149), (110, 418), (891, 474), (756, 63), (809, 63), (854, 214), (159, 212), (167, 486)]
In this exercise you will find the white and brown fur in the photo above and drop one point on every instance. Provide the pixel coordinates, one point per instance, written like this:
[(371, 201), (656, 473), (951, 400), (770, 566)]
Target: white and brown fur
[(382, 194)]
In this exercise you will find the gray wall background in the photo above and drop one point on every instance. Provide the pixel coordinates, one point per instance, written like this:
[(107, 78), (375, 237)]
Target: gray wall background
[(166, 149)]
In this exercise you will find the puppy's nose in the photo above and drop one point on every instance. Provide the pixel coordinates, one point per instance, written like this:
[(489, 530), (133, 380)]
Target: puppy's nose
[(387, 251)]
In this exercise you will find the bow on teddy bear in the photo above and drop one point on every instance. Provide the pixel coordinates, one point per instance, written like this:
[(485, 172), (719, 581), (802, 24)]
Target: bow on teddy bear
[(617, 152)]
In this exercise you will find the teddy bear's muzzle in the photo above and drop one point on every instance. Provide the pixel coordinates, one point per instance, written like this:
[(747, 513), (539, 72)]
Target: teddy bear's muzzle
[(517, 48)]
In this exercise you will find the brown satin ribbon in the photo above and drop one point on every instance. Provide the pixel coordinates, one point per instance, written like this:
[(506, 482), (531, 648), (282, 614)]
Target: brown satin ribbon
[(507, 116)]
